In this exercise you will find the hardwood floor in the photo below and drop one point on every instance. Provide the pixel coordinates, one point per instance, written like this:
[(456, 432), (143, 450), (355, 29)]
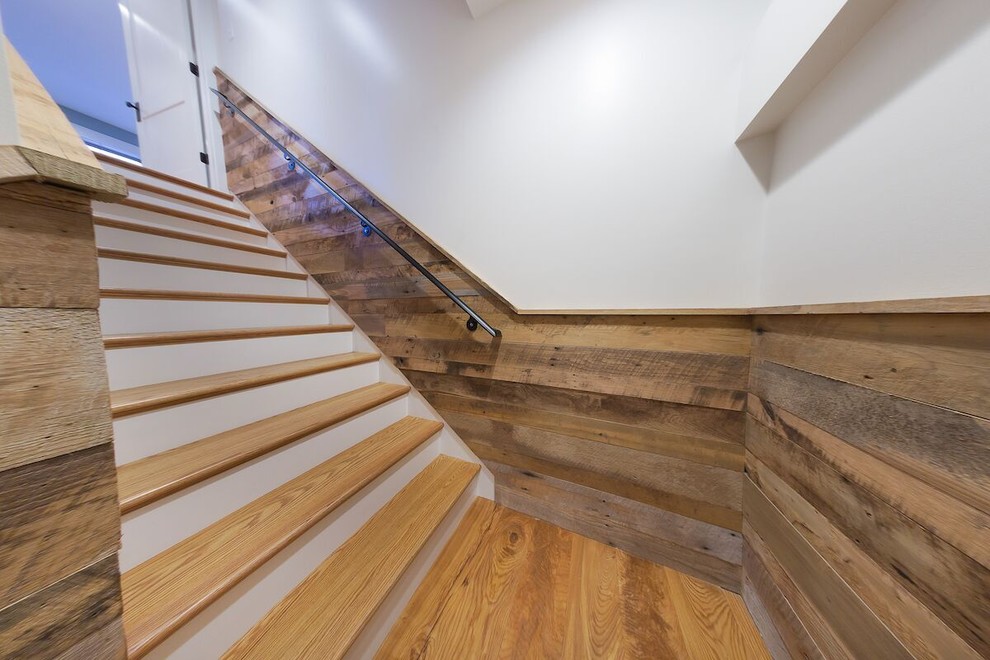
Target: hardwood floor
[(511, 586)]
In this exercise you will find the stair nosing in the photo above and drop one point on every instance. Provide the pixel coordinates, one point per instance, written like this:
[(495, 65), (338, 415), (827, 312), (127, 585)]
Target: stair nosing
[(422, 431), (191, 217), (214, 296), (186, 390), (163, 176), (182, 262), (414, 495), (140, 340), (385, 393), (186, 199), (137, 227)]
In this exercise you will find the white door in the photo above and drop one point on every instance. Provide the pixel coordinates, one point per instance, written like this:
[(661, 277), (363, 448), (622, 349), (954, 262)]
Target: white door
[(159, 52)]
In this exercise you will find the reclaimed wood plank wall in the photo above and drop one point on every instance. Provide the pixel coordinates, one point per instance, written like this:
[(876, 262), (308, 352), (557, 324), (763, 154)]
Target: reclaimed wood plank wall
[(59, 521), (867, 497), (864, 437), (627, 429)]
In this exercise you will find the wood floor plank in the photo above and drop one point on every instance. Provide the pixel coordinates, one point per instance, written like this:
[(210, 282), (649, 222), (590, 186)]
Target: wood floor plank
[(532, 590), (113, 223), (152, 478), (324, 615), (169, 589), (159, 395), (140, 340)]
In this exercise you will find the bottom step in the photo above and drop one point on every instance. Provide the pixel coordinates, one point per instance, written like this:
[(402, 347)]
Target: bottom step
[(323, 616)]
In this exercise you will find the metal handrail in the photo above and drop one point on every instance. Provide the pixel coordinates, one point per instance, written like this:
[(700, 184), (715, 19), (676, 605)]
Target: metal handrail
[(367, 226)]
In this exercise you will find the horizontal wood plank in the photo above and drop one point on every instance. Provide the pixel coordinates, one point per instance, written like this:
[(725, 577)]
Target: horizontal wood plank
[(138, 167), (151, 230), (141, 340), (47, 248), (216, 558), (53, 388), (76, 617), (324, 614), (159, 395), (161, 209), (152, 478), (59, 516), (204, 296), (138, 257)]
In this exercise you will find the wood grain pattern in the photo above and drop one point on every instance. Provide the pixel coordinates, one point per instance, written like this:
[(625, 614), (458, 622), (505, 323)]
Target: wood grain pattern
[(169, 589), (186, 236), (868, 436), (141, 340), (137, 167), (47, 250), (41, 124), (137, 184), (159, 395), (59, 516), (53, 387), (152, 478), (579, 398), (518, 587), (324, 614), (192, 217), (681, 542), (411, 632), (123, 255), (204, 296), (72, 618), (852, 625)]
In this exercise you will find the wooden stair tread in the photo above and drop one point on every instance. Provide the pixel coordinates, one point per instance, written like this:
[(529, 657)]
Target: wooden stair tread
[(169, 589), (137, 167), (126, 225), (215, 296), (411, 631), (323, 616), (189, 199), (196, 336), (141, 257), (152, 478), (159, 395), (192, 217)]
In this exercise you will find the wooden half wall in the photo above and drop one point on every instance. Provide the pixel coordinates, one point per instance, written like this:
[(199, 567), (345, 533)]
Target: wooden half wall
[(59, 521), (834, 467), (867, 498), (627, 429)]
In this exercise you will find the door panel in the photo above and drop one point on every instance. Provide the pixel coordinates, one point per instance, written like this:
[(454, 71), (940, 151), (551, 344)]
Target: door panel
[(159, 45)]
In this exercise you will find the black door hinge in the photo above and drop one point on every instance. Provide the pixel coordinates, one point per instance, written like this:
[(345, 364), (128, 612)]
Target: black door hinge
[(194, 69), (203, 158)]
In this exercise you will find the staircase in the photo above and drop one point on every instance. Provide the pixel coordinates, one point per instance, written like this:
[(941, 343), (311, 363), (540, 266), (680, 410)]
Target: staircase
[(282, 488)]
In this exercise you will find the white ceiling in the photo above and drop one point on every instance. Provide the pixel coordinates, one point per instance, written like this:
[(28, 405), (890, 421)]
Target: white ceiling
[(481, 7), (76, 48)]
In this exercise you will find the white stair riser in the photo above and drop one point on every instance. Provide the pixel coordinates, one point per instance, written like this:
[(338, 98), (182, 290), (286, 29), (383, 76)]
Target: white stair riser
[(135, 241), (155, 181), (177, 224), (192, 207), (129, 315), (224, 622), (123, 274), (143, 434), (152, 529), (132, 367)]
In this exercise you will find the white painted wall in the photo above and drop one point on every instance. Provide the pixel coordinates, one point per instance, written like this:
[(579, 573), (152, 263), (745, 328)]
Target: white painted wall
[(881, 177), (787, 30), (572, 153)]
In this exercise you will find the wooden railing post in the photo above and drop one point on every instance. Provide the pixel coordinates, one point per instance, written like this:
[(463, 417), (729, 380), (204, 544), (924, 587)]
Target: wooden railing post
[(59, 519)]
